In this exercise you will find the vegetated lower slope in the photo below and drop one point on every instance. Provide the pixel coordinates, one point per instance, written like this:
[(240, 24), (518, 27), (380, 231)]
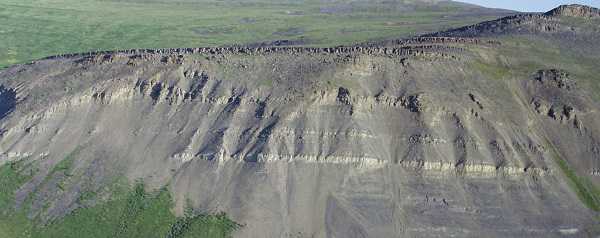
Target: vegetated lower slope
[(433, 136), (127, 213), (34, 29)]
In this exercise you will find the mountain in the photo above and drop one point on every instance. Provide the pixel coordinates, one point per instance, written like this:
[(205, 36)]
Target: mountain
[(564, 19), (488, 130)]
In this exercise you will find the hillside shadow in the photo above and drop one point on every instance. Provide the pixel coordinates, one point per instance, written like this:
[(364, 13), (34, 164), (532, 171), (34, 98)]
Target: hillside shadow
[(8, 101)]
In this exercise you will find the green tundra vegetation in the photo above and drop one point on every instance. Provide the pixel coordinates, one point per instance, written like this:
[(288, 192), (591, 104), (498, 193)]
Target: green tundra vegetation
[(32, 29), (129, 212)]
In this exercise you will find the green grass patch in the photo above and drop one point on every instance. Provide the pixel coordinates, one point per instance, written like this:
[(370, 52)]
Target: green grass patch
[(66, 164), (194, 225), (582, 186), (12, 223), (492, 70), (129, 212), (34, 29), (521, 56), (12, 176)]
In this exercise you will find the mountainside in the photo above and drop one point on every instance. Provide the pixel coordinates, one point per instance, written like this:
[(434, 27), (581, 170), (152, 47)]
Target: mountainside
[(495, 135), (566, 20)]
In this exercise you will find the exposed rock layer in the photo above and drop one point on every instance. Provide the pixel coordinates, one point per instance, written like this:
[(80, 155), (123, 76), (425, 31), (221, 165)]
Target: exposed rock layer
[(398, 140), (551, 22), (574, 10)]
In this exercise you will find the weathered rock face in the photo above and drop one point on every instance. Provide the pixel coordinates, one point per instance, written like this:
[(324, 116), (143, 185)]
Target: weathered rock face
[(400, 138), (574, 10), (557, 21), (355, 142)]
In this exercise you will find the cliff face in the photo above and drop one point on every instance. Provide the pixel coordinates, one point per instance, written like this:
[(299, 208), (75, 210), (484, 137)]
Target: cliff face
[(574, 10), (426, 138), (566, 20)]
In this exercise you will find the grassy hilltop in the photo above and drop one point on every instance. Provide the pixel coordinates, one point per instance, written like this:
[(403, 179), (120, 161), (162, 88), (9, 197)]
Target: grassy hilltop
[(32, 29)]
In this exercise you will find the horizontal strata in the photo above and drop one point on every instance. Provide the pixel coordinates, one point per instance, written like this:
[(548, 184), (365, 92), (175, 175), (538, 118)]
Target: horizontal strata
[(446, 167), (314, 142), (467, 169), (175, 96), (379, 48)]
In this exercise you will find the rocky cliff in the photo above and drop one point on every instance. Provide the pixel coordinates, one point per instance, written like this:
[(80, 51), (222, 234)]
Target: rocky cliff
[(422, 138), (574, 10), (565, 20)]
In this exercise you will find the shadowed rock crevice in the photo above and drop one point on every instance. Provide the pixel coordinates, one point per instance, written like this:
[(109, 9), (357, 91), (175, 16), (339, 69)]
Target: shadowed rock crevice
[(8, 100), (199, 80), (213, 141), (261, 142)]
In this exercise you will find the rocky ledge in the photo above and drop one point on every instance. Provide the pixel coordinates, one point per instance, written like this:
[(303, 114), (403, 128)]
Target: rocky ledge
[(574, 10)]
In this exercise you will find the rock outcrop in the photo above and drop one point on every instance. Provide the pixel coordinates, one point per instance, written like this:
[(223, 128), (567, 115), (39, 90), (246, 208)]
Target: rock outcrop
[(546, 23), (574, 10), (402, 138)]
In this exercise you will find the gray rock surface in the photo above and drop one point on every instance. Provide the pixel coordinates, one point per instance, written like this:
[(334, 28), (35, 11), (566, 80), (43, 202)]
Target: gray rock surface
[(305, 142)]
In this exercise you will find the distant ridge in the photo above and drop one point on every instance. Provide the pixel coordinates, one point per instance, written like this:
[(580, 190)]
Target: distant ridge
[(523, 23), (574, 10)]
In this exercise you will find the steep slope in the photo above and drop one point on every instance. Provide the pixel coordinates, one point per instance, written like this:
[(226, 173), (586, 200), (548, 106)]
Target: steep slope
[(563, 20), (434, 137)]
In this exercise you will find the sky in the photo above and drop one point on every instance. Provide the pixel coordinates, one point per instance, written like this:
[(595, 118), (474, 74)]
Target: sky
[(530, 5)]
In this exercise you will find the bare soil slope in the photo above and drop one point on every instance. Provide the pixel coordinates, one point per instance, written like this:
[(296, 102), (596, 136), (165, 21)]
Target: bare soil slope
[(428, 137)]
